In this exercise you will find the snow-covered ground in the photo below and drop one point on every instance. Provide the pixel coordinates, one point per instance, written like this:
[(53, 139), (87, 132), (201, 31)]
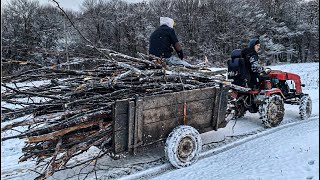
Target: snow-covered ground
[(291, 152)]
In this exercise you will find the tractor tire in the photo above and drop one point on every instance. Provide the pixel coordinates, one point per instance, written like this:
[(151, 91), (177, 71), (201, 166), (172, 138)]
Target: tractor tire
[(183, 146), (272, 111), (305, 107)]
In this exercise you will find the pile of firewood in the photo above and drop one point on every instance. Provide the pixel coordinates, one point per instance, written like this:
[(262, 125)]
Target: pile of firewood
[(71, 111)]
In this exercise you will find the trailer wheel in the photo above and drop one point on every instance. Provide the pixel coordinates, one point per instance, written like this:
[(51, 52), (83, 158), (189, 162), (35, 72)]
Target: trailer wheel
[(305, 107), (272, 111), (183, 146)]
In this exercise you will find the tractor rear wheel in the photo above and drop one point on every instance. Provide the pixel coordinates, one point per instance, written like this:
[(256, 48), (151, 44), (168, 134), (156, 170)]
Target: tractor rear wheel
[(272, 111), (305, 107)]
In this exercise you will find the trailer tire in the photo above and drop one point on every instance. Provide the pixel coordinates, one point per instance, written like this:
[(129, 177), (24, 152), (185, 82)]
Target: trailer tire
[(183, 146), (305, 107)]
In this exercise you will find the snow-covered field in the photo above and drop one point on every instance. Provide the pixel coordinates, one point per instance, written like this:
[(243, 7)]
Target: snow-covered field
[(290, 151)]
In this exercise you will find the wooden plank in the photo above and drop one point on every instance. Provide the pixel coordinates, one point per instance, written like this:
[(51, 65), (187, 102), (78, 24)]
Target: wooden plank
[(131, 116), (121, 122), (162, 113), (120, 115), (216, 90), (157, 146), (152, 102), (222, 107), (159, 130), (173, 111), (122, 106), (120, 126), (200, 120), (138, 124), (215, 109), (139, 105), (120, 141), (113, 131)]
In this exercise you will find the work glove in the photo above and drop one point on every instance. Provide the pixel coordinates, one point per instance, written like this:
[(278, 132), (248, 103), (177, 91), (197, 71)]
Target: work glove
[(180, 55)]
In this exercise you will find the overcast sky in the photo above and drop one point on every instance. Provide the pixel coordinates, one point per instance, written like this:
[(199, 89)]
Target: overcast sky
[(70, 4), (66, 4)]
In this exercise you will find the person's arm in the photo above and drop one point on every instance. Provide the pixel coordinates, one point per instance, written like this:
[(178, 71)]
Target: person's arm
[(178, 49), (176, 44), (255, 66)]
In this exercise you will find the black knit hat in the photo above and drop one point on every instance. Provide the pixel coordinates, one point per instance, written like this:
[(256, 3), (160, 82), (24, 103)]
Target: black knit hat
[(253, 42)]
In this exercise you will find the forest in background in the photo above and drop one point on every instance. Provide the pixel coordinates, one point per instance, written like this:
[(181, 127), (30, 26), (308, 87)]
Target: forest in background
[(288, 29)]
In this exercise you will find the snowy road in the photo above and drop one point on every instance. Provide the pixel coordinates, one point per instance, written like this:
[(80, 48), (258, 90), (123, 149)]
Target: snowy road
[(290, 153)]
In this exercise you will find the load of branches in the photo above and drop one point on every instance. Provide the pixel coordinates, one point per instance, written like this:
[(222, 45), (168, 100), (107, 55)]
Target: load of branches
[(71, 110)]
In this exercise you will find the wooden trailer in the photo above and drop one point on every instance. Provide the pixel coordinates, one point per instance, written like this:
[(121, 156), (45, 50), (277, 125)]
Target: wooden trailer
[(175, 119)]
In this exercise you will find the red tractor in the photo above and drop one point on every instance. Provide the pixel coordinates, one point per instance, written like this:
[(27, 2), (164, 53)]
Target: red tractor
[(278, 88)]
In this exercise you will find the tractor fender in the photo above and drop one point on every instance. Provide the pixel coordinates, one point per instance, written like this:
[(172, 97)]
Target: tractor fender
[(266, 93), (269, 92)]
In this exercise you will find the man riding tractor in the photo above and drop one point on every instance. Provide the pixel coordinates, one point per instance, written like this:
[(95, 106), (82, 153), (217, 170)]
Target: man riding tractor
[(257, 89)]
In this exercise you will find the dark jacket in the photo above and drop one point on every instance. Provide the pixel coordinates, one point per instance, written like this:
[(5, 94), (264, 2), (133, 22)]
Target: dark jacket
[(161, 42), (252, 62)]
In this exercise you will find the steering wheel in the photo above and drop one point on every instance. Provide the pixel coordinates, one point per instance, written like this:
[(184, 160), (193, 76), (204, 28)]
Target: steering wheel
[(267, 70)]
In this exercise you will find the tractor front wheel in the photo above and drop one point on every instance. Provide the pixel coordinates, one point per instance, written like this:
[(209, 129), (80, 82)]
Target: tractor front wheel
[(305, 107)]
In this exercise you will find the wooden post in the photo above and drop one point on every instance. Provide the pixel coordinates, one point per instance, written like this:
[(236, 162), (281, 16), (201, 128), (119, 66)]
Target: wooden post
[(215, 107), (219, 105), (131, 126), (138, 125)]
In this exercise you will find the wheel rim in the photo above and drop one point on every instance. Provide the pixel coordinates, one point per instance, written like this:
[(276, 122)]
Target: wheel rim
[(186, 148), (273, 112)]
